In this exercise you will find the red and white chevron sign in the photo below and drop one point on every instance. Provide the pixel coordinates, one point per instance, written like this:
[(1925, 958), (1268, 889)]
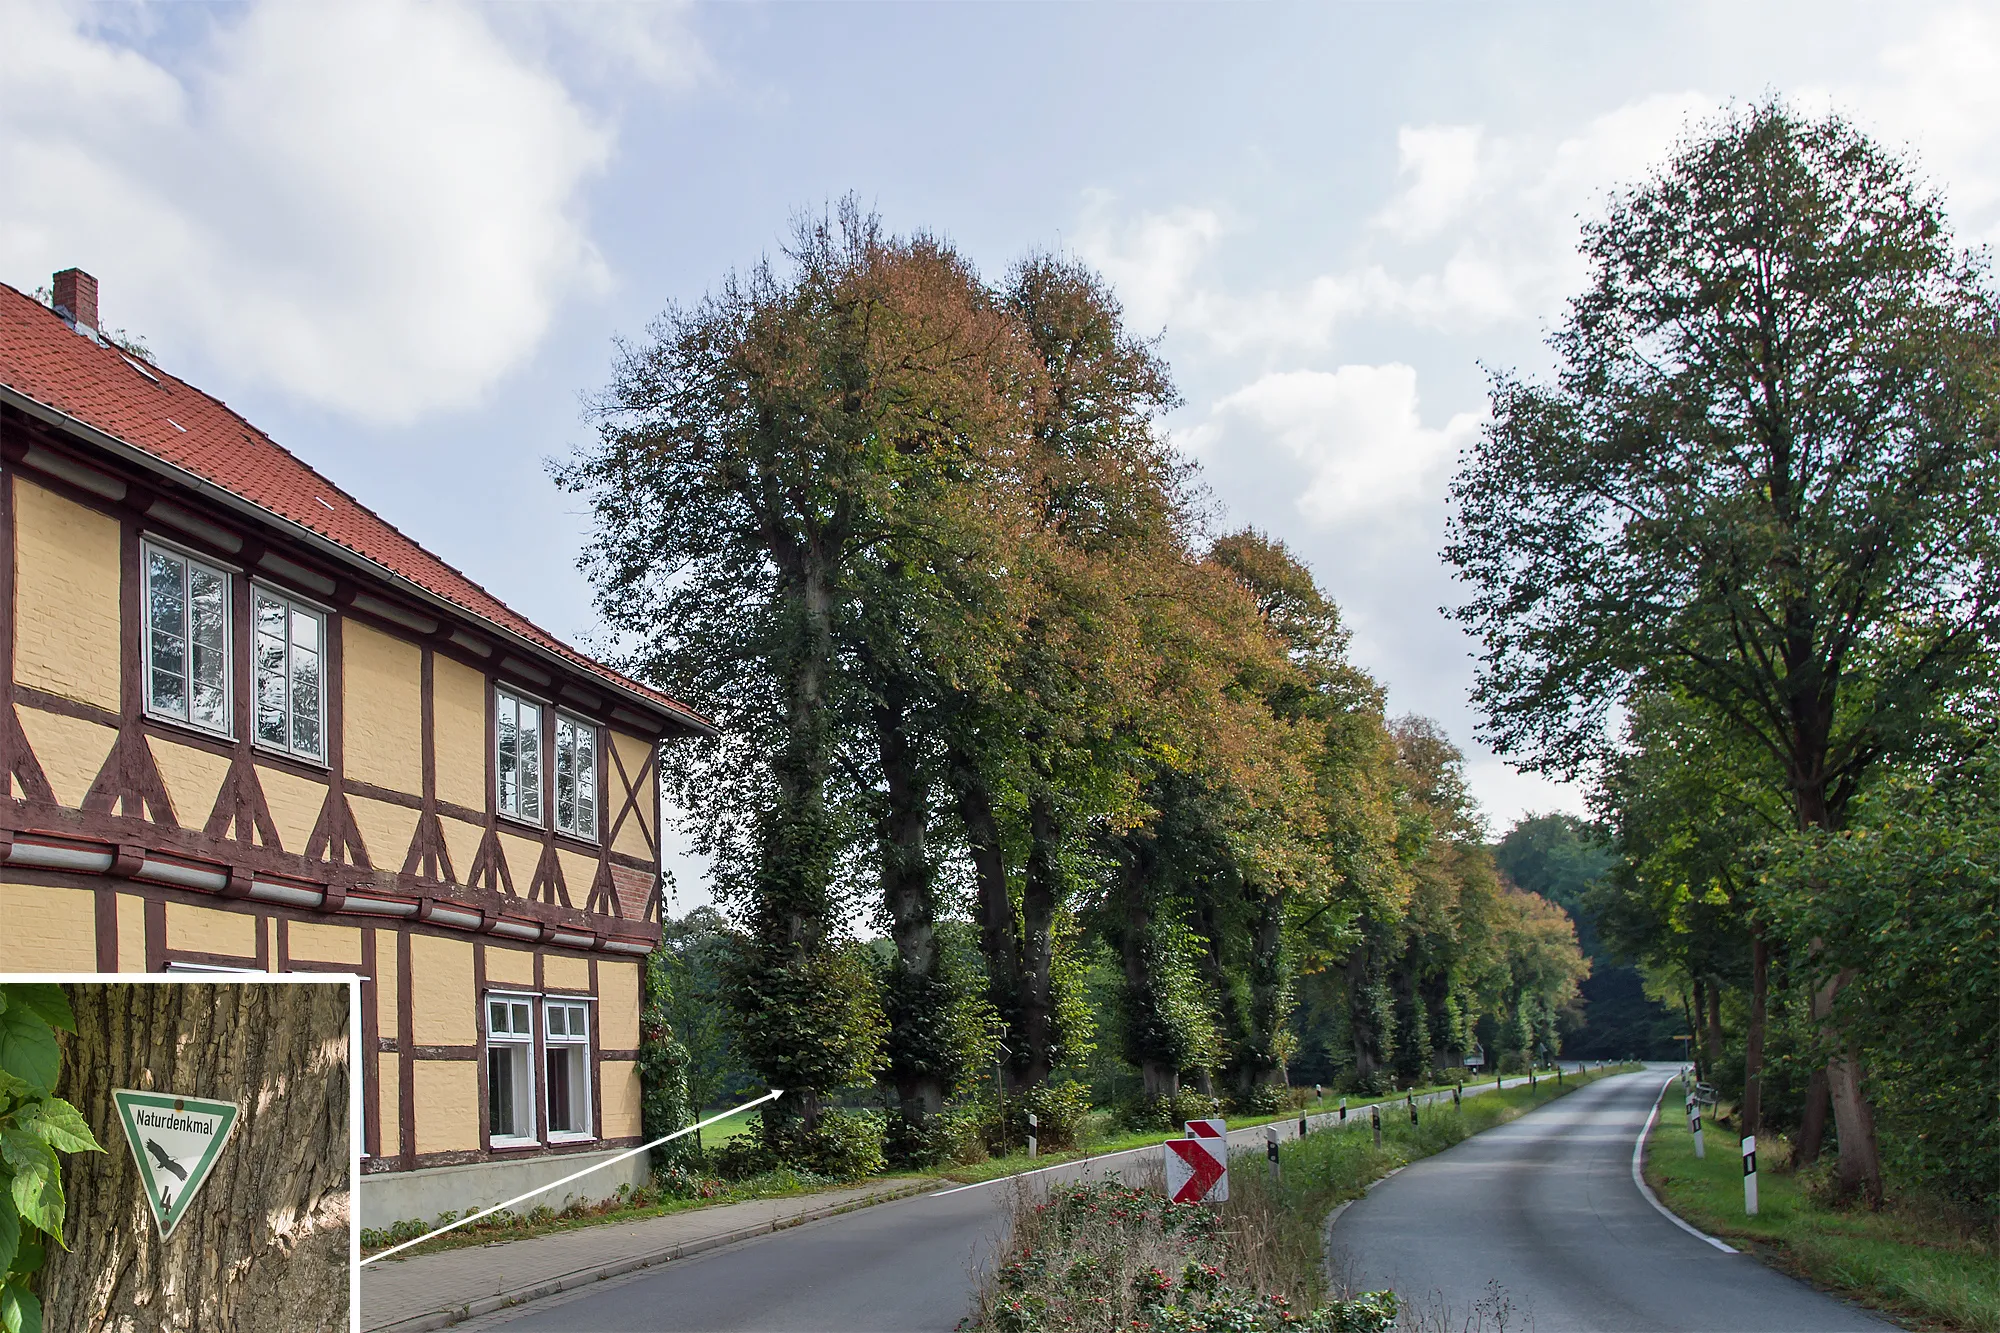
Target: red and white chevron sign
[(1194, 1173), (1212, 1135)]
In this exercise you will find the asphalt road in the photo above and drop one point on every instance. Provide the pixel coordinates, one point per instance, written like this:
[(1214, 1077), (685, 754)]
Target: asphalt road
[(1537, 1225), (909, 1265)]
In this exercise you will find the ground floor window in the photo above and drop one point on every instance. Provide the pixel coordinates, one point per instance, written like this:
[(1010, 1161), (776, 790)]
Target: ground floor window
[(510, 1080), (566, 1045)]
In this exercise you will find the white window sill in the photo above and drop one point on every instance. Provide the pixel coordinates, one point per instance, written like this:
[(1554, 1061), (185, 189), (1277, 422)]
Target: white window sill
[(182, 724), (572, 1138), (279, 752), (499, 1143)]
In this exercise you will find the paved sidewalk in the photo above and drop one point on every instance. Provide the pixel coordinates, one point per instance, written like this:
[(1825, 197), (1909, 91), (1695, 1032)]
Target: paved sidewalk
[(434, 1291)]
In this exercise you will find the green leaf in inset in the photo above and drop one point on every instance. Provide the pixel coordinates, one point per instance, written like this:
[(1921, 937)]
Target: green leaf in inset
[(10, 1233), (37, 1193), (20, 1312), (28, 1049), (43, 999), (59, 1125)]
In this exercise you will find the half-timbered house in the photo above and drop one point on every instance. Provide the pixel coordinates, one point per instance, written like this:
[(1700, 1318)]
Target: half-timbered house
[(248, 724)]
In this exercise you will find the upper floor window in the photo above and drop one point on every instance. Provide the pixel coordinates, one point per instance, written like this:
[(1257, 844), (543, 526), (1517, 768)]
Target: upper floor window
[(517, 748), (187, 639), (576, 777), (286, 649)]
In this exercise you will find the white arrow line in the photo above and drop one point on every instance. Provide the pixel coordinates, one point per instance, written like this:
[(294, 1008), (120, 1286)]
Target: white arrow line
[(574, 1175)]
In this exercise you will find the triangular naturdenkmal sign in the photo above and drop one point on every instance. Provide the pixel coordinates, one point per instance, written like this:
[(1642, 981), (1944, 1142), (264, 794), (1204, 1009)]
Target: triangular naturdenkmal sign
[(175, 1140)]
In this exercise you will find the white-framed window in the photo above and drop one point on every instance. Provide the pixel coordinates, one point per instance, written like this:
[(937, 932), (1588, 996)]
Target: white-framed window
[(517, 748), (576, 777), (566, 1052), (510, 1069), (187, 639), (287, 659)]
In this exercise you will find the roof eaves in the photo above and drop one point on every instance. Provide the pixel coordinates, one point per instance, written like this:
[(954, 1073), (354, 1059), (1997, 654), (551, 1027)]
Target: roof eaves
[(334, 550)]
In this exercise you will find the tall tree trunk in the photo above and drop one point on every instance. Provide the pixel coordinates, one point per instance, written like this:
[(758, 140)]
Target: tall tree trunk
[(1159, 1078), (918, 993), (1257, 1058), (1713, 1033), (998, 941), (1702, 1070), (1860, 1159), (1041, 893), (264, 1244), (1812, 1124), (784, 962), (1753, 1039)]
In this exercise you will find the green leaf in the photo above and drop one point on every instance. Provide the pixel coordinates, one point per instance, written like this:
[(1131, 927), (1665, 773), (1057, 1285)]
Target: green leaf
[(36, 1185), (43, 999), (61, 1126), (29, 1258), (20, 1312), (28, 1049), (10, 1233)]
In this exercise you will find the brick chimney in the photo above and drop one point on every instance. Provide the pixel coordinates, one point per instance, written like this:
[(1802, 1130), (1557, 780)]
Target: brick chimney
[(76, 298)]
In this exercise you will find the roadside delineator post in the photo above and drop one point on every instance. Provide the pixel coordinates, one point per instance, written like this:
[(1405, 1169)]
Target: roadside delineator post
[(1033, 1125), (1456, 1100), (1750, 1176), (1343, 1110), (1694, 1126), (1302, 1122), (1271, 1151), (1375, 1117)]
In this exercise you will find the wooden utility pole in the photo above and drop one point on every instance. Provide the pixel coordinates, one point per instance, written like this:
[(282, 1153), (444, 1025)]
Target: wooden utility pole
[(264, 1244)]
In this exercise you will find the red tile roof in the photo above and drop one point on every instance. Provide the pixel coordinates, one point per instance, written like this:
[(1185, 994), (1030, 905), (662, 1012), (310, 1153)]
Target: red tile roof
[(43, 358)]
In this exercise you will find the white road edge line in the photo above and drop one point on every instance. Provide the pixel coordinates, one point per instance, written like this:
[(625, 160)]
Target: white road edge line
[(1639, 1177)]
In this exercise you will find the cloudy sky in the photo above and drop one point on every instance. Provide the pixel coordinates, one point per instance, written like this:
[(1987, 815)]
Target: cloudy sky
[(401, 237)]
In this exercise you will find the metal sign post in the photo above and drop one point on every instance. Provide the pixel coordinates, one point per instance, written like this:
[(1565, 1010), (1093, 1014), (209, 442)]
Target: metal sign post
[(1750, 1176)]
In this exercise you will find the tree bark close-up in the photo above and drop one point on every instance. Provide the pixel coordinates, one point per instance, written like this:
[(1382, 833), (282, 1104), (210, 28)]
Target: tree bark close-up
[(265, 1243)]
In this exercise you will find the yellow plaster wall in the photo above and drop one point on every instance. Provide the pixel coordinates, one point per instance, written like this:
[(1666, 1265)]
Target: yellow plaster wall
[(461, 840), (620, 1099), (210, 930), (386, 978), (522, 858), (65, 596), (446, 1096), (634, 753), (49, 929), (617, 1005), (323, 944), (386, 829), (561, 971), (131, 933), (458, 719), (193, 777), (442, 1004), (388, 1096), (578, 871), (71, 751), (382, 699), (295, 804), (509, 967)]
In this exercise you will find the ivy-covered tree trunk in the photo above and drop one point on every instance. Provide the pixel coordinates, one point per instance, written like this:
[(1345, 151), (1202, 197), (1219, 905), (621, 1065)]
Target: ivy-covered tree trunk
[(1145, 1036), (1041, 894), (921, 1060), (265, 1242), (1255, 1064), (999, 940)]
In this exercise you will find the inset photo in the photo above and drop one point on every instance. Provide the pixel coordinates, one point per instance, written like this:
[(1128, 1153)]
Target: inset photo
[(179, 1154)]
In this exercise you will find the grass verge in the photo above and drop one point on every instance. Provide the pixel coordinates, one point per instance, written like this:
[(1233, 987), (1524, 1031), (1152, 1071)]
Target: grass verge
[(1084, 1262), (1910, 1260)]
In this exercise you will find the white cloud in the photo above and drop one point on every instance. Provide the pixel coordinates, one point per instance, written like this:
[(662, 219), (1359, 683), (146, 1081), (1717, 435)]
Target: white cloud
[(372, 206), (1446, 169), (1149, 260), (1356, 432)]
